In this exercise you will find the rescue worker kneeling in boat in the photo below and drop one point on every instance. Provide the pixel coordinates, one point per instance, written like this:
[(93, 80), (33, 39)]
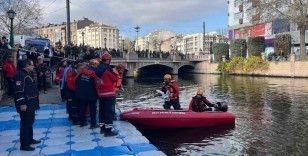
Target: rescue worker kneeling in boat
[(170, 86), (199, 103)]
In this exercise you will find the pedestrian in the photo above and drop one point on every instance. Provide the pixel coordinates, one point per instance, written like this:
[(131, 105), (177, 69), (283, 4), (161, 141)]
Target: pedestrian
[(59, 77), (26, 102), (170, 86), (120, 69), (5, 43), (107, 94), (41, 69), (86, 94), (9, 70), (70, 90)]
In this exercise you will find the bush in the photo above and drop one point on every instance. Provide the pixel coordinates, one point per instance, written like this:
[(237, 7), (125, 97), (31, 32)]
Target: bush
[(256, 46), (220, 49), (282, 44), (255, 63), (242, 65), (238, 48)]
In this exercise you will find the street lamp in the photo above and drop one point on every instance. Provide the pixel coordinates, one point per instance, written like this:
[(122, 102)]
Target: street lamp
[(105, 39), (11, 14), (82, 38)]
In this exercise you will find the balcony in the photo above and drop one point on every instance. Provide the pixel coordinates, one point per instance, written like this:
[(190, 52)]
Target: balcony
[(255, 17), (255, 3), (240, 21), (240, 8)]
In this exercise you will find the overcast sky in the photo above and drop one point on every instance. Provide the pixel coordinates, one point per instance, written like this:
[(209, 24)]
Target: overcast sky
[(181, 16)]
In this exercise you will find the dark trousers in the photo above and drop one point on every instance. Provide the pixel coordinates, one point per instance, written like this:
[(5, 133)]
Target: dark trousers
[(26, 127), (62, 91), (106, 110), (83, 103), (73, 109), (174, 103), (10, 83), (41, 80)]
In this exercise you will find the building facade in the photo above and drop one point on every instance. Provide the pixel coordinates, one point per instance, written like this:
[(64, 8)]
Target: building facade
[(193, 43), (244, 21), (57, 32), (99, 36)]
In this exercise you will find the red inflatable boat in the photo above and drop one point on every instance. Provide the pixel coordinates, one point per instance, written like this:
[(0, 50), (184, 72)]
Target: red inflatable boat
[(160, 118)]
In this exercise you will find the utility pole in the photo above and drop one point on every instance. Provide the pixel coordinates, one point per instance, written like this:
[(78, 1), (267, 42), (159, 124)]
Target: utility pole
[(68, 23), (203, 37), (137, 28)]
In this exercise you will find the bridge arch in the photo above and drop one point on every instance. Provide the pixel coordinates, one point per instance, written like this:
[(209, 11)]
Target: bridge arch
[(154, 70), (186, 68)]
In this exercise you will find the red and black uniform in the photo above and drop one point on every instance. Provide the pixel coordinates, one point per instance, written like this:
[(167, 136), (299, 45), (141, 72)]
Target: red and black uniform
[(9, 72), (106, 93), (70, 89), (41, 69), (86, 95), (199, 104), (171, 87), (118, 83)]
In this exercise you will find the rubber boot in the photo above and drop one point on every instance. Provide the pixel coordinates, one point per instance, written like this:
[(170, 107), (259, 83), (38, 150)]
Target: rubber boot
[(103, 129), (109, 132)]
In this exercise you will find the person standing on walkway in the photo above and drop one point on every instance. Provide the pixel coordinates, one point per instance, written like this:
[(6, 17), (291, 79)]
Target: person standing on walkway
[(86, 94), (9, 73), (107, 94), (41, 69), (26, 103)]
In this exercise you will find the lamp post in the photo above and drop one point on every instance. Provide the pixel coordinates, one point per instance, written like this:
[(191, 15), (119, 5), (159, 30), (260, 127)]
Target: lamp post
[(82, 38), (105, 39), (11, 14)]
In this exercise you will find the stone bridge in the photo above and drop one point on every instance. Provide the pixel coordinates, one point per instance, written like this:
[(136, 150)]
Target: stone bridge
[(173, 63)]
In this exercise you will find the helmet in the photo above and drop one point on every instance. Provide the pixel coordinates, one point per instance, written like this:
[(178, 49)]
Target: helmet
[(200, 91), (121, 66), (167, 77), (106, 56)]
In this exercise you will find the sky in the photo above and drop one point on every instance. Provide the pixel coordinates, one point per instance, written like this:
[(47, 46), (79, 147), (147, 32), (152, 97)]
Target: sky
[(180, 16)]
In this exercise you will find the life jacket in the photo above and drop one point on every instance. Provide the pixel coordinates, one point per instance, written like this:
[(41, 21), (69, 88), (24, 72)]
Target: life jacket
[(105, 85), (70, 79), (118, 83), (173, 88)]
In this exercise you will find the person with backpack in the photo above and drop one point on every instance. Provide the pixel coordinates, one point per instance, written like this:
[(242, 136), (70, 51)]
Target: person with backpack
[(86, 94)]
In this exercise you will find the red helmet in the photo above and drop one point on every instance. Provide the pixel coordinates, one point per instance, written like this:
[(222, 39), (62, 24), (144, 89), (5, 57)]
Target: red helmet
[(121, 66), (106, 56)]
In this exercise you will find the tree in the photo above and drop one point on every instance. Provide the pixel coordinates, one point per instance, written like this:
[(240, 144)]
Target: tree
[(220, 49), (28, 15), (295, 11), (128, 45), (238, 48), (282, 44), (255, 46)]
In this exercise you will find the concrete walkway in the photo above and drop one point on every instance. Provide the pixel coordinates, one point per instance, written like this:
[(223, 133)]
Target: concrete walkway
[(60, 137)]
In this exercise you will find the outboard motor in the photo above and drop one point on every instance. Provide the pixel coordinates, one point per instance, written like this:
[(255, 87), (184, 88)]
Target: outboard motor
[(222, 107)]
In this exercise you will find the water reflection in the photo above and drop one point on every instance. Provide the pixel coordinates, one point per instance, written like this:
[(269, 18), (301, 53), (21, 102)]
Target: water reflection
[(272, 115)]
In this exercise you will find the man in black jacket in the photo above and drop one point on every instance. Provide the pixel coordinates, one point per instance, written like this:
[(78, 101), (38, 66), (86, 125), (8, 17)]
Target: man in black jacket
[(26, 102)]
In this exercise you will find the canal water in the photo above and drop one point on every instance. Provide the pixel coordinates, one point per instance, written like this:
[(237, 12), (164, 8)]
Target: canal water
[(271, 115)]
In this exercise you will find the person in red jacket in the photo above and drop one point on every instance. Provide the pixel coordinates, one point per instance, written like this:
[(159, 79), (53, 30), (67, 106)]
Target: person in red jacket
[(107, 94), (170, 87), (9, 72), (59, 77), (199, 103)]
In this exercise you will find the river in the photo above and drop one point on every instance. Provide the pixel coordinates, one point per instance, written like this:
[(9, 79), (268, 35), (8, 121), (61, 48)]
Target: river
[(271, 115)]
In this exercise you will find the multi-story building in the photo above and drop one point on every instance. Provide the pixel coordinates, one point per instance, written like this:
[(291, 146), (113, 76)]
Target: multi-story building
[(99, 36), (245, 20), (57, 32), (193, 43), (153, 40)]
